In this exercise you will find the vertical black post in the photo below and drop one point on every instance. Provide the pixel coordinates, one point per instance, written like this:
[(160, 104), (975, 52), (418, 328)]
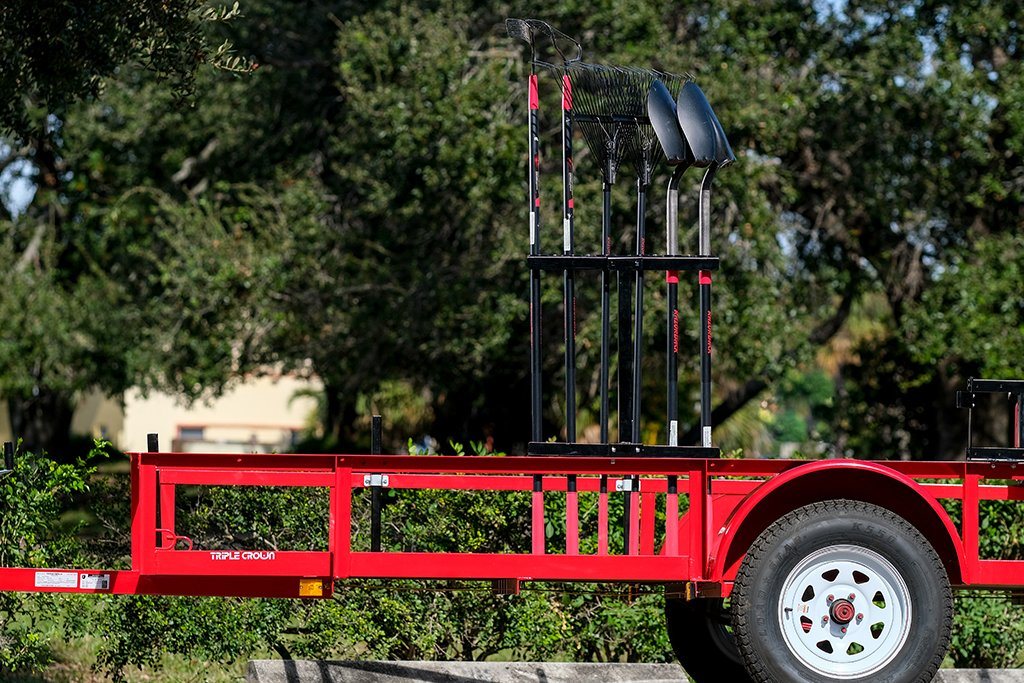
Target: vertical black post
[(376, 435), (8, 455), (638, 333), (672, 322), (376, 439), (625, 353), (704, 249), (1019, 415), (535, 287), (606, 295), (638, 338), (569, 280), (152, 443), (705, 358), (672, 358), (536, 394)]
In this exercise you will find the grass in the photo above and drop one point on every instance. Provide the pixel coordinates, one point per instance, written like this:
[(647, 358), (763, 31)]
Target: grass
[(74, 661)]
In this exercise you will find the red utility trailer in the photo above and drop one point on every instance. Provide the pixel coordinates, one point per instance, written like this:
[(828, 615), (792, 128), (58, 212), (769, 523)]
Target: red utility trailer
[(850, 556)]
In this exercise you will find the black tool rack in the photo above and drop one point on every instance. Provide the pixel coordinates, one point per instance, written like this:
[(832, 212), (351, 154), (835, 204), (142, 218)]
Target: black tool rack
[(1014, 389), (620, 264), (618, 101)]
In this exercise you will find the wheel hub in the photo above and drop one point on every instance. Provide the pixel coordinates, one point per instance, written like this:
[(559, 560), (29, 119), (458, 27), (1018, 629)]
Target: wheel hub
[(845, 612), (842, 611)]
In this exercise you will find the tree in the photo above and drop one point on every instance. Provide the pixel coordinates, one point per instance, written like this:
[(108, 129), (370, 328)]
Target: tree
[(56, 54), (395, 237), (64, 303), (402, 125), (867, 120), (31, 535)]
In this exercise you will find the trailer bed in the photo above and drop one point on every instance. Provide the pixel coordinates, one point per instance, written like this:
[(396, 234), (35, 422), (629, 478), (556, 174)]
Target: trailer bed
[(691, 520)]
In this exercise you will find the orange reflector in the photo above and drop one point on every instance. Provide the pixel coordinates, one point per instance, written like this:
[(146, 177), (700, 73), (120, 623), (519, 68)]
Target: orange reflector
[(311, 588)]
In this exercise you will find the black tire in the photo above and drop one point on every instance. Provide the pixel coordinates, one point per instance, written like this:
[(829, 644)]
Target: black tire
[(823, 545), (703, 645)]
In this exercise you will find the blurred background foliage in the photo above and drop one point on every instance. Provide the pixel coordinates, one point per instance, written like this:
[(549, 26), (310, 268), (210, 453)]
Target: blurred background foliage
[(344, 196), (191, 193)]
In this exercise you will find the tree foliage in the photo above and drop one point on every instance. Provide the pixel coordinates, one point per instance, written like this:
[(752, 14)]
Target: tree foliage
[(57, 53), (878, 144), (394, 137), (30, 535), (54, 56)]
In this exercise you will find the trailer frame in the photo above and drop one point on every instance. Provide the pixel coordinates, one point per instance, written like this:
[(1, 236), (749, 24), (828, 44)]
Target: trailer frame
[(713, 509)]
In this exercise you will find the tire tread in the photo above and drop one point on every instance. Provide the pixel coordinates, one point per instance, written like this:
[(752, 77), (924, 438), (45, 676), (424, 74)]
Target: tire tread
[(780, 528)]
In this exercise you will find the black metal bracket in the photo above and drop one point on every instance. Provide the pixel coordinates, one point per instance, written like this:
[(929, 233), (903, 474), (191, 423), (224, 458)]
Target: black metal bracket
[(995, 453), (618, 450), (560, 263), (375, 483), (1014, 389)]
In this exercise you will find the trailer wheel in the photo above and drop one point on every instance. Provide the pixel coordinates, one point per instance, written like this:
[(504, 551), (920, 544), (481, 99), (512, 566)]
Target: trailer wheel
[(842, 591), (702, 640)]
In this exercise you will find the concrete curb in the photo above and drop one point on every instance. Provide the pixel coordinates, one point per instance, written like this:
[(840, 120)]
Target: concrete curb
[(298, 671), (314, 671), (979, 676)]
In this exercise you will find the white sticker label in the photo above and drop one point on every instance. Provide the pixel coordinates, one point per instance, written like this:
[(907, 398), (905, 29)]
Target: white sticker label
[(707, 437), (533, 228), (673, 433), (98, 582), (566, 234), (56, 580)]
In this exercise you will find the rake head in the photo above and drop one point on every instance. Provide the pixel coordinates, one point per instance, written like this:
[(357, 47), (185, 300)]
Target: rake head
[(532, 31), (644, 151), (603, 113)]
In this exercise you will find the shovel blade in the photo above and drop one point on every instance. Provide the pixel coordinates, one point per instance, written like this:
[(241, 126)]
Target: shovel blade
[(661, 109), (702, 129)]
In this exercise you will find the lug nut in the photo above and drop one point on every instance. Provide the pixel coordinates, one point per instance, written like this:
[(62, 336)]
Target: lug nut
[(844, 629), (860, 616), (830, 598), (824, 619), (852, 596)]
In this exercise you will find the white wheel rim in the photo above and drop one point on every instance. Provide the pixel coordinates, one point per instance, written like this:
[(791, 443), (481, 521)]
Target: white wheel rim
[(823, 589)]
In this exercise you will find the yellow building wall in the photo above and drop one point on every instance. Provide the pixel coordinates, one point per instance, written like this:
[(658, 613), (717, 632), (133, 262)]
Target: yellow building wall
[(260, 414)]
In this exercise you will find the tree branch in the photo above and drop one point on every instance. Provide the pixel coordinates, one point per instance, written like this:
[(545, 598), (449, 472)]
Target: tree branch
[(31, 253), (737, 398)]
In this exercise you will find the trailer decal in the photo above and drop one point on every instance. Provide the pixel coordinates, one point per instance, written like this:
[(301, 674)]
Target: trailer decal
[(56, 580), (243, 555), (99, 582)]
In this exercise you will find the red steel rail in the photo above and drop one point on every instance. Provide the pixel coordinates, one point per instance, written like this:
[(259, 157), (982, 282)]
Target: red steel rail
[(726, 504)]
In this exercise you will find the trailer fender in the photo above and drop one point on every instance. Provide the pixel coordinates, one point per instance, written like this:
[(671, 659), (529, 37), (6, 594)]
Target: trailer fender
[(825, 480)]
